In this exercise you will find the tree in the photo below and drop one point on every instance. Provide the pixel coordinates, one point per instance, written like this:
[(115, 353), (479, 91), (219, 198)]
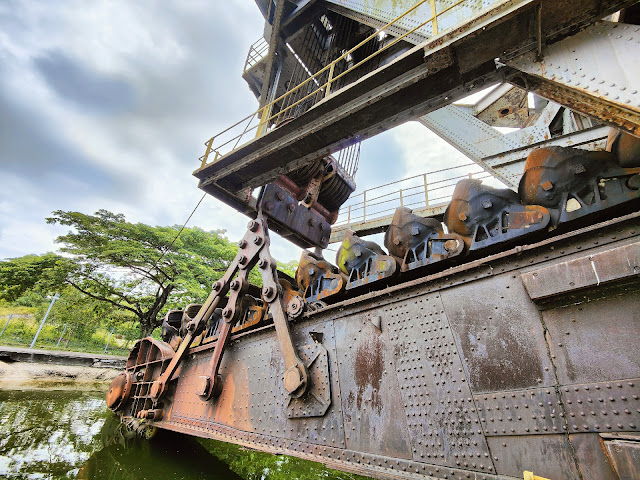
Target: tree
[(139, 268), (31, 273)]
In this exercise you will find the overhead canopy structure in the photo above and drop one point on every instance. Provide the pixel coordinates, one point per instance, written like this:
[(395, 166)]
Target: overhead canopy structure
[(335, 73)]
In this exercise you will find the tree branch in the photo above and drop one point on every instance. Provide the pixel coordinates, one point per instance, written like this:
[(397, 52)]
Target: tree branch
[(103, 299)]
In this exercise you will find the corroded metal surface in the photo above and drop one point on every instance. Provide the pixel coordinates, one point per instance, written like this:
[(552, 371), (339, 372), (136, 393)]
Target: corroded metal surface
[(595, 341), (549, 456), (603, 407), (498, 333), (417, 241), (422, 381), (591, 458), (441, 414), (588, 271), (484, 215), (317, 278), (521, 412), (370, 401), (363, 261)]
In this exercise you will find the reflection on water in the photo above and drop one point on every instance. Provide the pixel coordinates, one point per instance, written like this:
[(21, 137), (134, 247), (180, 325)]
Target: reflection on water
[(66, 434)]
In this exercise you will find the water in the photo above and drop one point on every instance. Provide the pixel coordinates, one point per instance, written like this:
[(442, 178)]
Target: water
[(61, 434)]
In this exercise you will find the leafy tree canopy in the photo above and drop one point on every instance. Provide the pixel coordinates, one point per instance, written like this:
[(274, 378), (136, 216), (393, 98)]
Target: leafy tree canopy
[(139, 268), (134, 271), (30, 273)]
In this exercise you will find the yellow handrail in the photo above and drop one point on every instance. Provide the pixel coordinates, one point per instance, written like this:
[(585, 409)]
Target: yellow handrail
[(265, 111)]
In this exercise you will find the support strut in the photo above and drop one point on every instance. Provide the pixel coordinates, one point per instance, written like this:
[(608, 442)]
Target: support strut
[(253, 249)]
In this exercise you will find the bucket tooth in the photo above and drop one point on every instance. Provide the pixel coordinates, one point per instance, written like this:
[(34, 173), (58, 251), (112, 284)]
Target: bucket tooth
[(418, 241), (253, 312), (484, 215), (171, 325), (363, 262), (572, 183), (317, 278), (625, 147)]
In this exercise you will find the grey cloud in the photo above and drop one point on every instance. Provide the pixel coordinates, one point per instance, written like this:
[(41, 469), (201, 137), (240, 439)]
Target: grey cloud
[(31, 149), (86, 89)]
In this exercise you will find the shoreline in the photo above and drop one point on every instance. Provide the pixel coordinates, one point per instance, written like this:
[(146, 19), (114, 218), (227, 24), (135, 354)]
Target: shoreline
[(48, 376)]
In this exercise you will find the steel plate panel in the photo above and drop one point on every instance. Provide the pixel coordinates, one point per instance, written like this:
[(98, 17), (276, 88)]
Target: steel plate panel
[(374, 419), (232, 407), (624, 454), (441, 414), (591, 458), (499, 332), (253, 396), (603, 407), (523, 412), (597, 340), (328, 429), (588, 271), (547, 456)]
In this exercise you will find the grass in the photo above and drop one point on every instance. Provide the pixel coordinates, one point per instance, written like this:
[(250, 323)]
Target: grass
[(20, 332), (17, 310)]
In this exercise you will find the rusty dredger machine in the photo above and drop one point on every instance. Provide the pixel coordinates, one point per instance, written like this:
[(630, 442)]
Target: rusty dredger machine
[(494, 335)]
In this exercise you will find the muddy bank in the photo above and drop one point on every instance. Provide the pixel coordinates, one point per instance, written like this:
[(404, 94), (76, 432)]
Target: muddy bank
[(46, 376)]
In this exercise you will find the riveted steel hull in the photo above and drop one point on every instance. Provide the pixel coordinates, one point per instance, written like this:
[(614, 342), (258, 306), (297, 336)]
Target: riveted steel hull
[(472, 372)]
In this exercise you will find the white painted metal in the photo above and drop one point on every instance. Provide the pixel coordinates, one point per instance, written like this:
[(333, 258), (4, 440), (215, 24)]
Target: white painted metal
[(600, 64), (459, 126), (505, 153)]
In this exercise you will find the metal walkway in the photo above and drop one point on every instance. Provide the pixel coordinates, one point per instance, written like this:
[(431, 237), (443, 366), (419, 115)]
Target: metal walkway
[(448, 66)]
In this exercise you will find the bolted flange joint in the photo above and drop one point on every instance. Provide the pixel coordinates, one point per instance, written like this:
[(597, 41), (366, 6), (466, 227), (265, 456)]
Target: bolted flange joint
[(253, 226)]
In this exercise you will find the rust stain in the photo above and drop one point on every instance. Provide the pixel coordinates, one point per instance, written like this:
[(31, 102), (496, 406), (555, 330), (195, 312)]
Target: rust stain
[(369, 365)]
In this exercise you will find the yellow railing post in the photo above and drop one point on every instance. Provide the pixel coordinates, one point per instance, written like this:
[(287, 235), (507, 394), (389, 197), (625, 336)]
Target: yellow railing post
[(328, 90), (264, 118), (434, 15), (206, 154), (265, 111)]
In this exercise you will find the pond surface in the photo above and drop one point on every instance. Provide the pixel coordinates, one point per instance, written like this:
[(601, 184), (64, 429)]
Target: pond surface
[(59, 434)]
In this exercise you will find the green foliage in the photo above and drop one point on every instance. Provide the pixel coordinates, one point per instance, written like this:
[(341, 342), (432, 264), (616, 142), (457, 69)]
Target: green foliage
[(254, 465), (289, 268), (114, 273), (140, 269), (30, 275)]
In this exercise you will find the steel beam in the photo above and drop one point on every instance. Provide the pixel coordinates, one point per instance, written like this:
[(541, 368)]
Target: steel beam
[(503, 154), (384, 12), (423, 79), (594, 72), (511, 163)]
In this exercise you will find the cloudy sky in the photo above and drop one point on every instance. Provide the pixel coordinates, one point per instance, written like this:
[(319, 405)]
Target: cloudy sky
[(106, 104)]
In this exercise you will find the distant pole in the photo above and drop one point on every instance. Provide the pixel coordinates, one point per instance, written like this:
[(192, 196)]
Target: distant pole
[(62, 335), (5, 325), (108, 340), (55, 297)]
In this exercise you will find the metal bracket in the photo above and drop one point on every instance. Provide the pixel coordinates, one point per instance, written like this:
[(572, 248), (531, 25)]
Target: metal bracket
[(317, 400)]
